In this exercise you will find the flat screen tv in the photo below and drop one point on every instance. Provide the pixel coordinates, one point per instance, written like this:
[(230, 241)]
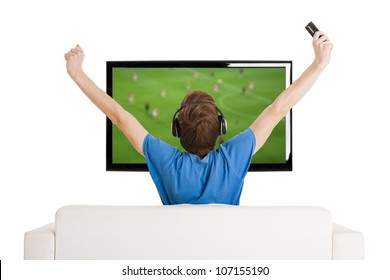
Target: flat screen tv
[(153, 90)]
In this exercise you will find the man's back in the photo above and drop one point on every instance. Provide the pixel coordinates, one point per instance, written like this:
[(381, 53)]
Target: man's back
[(183, 177)]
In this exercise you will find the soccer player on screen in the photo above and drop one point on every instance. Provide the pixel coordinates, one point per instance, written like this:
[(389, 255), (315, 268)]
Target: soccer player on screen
[(202, 174)]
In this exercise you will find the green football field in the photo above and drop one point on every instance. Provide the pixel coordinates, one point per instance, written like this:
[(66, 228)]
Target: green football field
[(153, 95)]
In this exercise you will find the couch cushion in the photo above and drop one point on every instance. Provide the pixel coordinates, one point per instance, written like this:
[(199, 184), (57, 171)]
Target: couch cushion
[(193, 232)]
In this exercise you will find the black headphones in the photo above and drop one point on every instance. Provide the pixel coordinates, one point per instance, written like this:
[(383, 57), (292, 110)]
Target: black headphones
[(176, 125)]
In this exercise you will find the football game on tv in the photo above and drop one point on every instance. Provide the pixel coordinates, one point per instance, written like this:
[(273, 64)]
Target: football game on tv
[(153, 91)]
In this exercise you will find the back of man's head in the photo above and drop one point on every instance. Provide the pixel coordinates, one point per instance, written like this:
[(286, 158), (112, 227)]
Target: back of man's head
[(199, 124)]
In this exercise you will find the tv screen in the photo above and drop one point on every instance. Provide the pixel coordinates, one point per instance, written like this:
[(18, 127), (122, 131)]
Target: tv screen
[(153, 90)]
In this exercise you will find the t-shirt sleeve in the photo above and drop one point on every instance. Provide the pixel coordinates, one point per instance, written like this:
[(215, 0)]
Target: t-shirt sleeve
[(238, 151), (158, 154)]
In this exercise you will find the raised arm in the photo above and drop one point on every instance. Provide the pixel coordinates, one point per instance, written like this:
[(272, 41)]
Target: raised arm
[(126, 122), (270, 117)]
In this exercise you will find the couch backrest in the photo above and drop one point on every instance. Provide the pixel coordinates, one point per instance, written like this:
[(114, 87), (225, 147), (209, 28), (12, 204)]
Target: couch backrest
[(193, 232)]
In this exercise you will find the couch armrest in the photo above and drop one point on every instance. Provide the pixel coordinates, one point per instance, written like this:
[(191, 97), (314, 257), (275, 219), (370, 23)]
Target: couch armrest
[(39, 244), (347, 244)]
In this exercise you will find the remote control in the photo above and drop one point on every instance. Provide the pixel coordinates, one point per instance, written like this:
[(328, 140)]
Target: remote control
[(311, 28)]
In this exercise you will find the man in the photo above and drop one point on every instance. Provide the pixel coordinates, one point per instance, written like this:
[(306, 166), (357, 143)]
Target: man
[(202, 174)]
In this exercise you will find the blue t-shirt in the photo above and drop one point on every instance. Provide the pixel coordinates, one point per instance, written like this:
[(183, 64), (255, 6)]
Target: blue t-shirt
[(182, 177)]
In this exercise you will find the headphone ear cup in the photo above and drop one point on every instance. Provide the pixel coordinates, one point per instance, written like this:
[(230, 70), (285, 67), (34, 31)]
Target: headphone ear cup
[(222, 125), (175, 128)]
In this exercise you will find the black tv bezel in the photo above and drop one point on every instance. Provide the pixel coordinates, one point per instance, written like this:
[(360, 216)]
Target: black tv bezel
[(110, 166)]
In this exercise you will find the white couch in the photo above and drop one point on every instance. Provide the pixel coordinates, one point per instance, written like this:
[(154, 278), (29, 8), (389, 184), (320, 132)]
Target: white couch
[(193, 232)]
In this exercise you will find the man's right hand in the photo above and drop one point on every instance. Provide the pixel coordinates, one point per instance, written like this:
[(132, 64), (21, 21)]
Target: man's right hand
[(322, 49)]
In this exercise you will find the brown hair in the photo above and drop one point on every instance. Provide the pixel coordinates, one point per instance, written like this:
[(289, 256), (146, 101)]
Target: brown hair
[(199, 124)]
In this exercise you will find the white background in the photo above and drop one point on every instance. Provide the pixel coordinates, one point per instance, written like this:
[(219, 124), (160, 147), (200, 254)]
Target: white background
[(52, 144)]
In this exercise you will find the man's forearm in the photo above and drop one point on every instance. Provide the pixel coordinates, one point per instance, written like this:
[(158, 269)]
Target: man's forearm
[(294, 93), (102, 100)]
